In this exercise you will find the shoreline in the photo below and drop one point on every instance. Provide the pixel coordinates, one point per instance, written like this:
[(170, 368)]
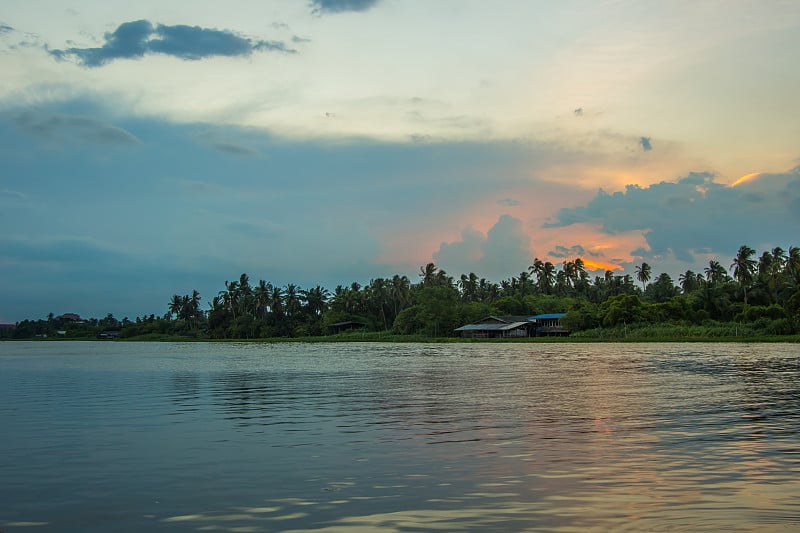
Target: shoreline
[(403, 339)]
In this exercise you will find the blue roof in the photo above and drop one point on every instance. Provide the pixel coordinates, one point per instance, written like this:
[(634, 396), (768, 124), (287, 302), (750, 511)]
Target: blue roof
[(550, 316)]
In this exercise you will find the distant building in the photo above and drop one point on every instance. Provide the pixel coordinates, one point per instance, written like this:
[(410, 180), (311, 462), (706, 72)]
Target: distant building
[(549, 325), (349, 325), (495, 327)]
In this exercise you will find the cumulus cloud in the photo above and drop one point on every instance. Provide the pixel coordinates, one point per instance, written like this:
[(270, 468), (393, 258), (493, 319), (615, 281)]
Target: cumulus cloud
[(696, 214), (135, 39), (59, 127), (646, 144), (340, 6), (503, 252)]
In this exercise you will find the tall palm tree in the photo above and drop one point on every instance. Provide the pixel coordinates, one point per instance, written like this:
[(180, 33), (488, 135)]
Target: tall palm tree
[(537, 268), (548, 277), (401, 292), (792, 265), (715, 272), (230, 296), (175, 305), (469, 287), (291, 300), (316, 300), (245, 295), (743, 267), (428, 274), (688, 281), (524, 282), (643, 274), (276, 303), (261, 297)]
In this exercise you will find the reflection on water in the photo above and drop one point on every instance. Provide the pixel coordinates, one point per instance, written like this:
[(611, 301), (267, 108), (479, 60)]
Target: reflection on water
[(366, 437)]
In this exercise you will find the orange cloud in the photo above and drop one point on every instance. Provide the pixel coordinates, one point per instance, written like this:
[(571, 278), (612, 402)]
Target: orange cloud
[(746, 178), (599, 265)]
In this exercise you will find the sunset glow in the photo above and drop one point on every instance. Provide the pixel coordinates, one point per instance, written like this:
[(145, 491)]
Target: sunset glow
[(746, 178)]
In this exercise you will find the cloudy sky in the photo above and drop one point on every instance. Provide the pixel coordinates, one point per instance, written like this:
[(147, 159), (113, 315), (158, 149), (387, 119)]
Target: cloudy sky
[(150, 148)]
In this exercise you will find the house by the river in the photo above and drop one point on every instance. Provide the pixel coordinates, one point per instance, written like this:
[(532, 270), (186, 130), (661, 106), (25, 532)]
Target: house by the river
[(515, 326)]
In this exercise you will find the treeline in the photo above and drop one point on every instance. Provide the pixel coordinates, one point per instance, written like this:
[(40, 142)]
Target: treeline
[(759, 293)]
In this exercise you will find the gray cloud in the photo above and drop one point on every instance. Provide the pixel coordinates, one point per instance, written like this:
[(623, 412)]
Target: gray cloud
[(508, 201), (12, 194), (59, 127), (340, 6), (235, 149), (260, 231), (696, 214), (133, 40), (578, 112), (573, 251), (646, 144), (501, 253), (5, 29), (77, 252)]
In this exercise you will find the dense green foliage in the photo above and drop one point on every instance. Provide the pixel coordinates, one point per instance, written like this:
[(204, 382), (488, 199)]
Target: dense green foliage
[(761, 297)]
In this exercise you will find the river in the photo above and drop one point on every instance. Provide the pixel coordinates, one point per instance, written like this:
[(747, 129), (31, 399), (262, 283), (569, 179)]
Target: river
[(241, 437)]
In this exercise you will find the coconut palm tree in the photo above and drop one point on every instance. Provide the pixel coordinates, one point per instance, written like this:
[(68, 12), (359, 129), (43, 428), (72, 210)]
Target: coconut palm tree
[(261, 297), (643, 274), (428, 274), (316, 300), (688, 281), (175, 305), (792, 265), (743, 268), (715, 272), (400, 292), (548, 277)]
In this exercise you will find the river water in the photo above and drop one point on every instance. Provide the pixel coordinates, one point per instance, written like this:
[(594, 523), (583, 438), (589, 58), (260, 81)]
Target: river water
[(248, 437)]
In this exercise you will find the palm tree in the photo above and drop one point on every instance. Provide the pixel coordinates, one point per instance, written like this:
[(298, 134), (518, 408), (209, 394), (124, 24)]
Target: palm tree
[(524, 281), (276, 303), (548, 277), (291, 300), (400, 292), (316, 300), (261, 296), (537, 268), (194, 305), (715, 272), (428, 274), (230, 296), (743, 267), (469, 287), (643, 274), (688, 281), (792, 265), (245, 295), (175, 305)]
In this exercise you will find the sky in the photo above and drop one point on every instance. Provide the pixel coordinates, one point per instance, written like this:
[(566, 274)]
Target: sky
[(154, 148)]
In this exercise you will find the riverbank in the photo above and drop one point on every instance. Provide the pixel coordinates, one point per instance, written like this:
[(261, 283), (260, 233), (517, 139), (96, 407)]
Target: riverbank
[(594, 336)]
